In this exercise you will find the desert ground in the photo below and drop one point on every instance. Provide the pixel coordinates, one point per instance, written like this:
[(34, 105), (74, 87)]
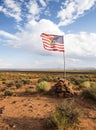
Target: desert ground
[(23, 108)]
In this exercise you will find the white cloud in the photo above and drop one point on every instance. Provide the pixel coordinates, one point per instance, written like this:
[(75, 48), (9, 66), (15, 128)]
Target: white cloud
[(82, 44), (22, 10), (78, 47), (48, 63), (12, 9), (7, 35), (33, 10), (29, 40), (43, 3), (1, 8), (72, 9), (30, 10)]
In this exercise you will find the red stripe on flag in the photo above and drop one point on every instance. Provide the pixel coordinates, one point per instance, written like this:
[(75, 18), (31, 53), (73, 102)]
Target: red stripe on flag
[(50, 42)]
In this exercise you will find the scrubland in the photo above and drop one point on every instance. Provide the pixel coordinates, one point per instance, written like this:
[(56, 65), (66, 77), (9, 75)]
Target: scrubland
[(27, 104)]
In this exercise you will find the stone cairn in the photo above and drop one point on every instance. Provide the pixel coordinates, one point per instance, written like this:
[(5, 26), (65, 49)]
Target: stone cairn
[(62, 88)]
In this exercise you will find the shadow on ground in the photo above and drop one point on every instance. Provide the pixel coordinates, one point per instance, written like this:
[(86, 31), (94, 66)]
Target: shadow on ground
[(24, 123)]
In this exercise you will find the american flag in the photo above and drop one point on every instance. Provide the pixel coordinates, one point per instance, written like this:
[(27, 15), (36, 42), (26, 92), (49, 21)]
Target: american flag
[(53, 42)]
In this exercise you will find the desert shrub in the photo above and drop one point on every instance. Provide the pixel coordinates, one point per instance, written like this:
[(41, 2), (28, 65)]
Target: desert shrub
[(81, 76), (42, 86), (93, 84), (41, 79), (75, 87), (3, 79), (75, 81), (3, 82), (2, 88), (10, 84), (85, 84), (16, 81), (89, 93), (26, 90), (32, 86), (48, 79), (65, 116), (26, 81), (87, 76), (8, 93), (18, 85)]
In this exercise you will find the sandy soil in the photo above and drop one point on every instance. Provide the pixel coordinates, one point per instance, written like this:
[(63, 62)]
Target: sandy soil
[(27, 111)]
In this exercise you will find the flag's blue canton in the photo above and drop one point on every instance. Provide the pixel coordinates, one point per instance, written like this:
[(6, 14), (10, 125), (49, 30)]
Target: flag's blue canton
[(58, 39)]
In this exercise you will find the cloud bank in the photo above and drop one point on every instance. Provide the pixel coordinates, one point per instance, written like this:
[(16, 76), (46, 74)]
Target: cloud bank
[(82, 44)]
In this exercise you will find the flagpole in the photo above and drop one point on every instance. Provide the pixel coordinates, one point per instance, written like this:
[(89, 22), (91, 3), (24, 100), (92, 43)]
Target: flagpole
[(64, 73)]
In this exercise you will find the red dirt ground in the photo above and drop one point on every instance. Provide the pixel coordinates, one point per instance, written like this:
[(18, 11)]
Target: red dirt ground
[(24, 111)]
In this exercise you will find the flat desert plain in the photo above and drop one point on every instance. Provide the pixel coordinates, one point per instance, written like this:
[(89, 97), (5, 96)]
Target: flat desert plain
[(23, 108)]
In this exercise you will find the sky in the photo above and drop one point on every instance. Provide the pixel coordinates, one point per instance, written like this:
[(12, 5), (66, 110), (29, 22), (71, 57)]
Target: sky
[(23, 21)]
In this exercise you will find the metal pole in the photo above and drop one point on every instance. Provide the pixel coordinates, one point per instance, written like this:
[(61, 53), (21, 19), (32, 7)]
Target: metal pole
[(64, 63), (64, 74)]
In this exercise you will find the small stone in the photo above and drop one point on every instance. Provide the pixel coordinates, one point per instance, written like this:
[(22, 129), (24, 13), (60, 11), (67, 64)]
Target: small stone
[(13, 102), (30, 106), (45, 105), (95, 120), (86, 115), (14, 126), (24, 104), (1, 110)]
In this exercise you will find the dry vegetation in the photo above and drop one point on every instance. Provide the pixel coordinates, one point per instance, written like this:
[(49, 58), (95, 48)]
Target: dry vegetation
[(28, 103)]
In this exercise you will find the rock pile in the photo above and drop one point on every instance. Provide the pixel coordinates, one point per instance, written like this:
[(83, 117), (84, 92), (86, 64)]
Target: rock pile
[(62, 88)]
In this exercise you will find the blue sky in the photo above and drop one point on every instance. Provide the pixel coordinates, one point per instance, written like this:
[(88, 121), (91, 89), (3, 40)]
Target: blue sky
[(23, 21)]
